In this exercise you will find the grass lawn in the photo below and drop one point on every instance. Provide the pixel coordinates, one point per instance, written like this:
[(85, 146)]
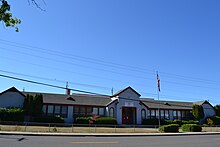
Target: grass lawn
[(76, 129)]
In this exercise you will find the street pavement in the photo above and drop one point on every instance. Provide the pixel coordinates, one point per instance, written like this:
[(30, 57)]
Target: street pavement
[(132, 141)]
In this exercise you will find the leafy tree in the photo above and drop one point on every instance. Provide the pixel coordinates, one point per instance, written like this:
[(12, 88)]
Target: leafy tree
[(33, 105), (6, 15), (198, 112), (217, 110), (38, 104)]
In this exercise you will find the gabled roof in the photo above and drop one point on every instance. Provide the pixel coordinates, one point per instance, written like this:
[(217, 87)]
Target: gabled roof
[(75, 99), (175, 105), (121, 91), (201, 102), (12, 89)]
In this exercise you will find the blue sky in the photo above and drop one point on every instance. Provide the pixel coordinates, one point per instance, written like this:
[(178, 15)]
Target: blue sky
[(97, 45)]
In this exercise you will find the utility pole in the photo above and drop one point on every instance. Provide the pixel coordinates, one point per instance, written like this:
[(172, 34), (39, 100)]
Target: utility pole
[(112, 91)]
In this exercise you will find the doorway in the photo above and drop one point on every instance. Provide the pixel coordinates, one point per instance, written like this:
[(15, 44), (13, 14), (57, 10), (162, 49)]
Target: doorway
[(128, 115)]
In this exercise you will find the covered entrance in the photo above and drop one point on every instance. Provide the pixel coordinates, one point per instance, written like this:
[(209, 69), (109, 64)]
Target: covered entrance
[(128, 115)]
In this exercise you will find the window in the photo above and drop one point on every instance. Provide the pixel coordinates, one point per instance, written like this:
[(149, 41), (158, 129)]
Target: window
[(111, 112), (44, 109), (161, 114), (82, 111), (175, 114), (50, 110), (88, 111), (95, 111), (157, 114), (148, 114), (57, 110), (75, 111), (167, 116), (101, 111), (179, 114), (143, 114), (153, 114), (64, 111)]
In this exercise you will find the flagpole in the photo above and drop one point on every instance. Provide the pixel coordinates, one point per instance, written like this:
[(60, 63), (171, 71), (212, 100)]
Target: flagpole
[(158, 97)]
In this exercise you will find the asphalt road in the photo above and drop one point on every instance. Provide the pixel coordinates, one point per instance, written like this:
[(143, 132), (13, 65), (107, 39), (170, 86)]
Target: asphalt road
[(156, 141)]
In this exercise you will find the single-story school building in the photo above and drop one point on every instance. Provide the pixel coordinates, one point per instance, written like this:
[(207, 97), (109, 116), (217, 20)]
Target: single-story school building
[(126, 106)]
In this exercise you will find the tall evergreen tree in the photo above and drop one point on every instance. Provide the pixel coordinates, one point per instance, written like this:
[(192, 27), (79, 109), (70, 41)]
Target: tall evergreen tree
[(198, 112)]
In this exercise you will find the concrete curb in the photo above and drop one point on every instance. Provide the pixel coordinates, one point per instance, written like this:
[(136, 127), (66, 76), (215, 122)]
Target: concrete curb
[(106, 135)]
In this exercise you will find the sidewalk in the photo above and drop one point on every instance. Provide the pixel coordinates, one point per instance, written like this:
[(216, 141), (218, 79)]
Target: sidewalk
[(107, 134)]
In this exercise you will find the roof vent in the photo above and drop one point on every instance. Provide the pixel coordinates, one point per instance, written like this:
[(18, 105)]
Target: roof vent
[(165, 103), (71, 99)]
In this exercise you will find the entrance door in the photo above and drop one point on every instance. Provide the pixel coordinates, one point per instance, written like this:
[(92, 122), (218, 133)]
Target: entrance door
[(128, 115)]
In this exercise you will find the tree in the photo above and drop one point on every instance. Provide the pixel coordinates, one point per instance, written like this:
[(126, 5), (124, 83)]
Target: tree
[(217, 110), (198, 112), (33, 105), (6, 15), (38, 104)]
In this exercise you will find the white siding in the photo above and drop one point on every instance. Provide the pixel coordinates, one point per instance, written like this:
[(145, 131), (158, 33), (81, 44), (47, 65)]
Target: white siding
[(131, 99), (11, 99)]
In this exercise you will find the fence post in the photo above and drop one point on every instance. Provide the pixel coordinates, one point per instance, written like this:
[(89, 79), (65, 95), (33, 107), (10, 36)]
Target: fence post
[(95, 128), (72, 128), (25, 127), (134, 128), (115, 128), (49, 127)]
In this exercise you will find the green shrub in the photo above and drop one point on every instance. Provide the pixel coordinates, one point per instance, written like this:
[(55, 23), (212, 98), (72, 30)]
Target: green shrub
[(191, 128), (215, 120), (179, 122), (48, 119), (198, 111), (82, 120), (12, 114), (150, 121), (172, 128), (106, 120)]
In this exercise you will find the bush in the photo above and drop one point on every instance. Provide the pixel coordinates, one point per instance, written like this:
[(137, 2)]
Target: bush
[(172, 128), (191, 128), (179, 122), (82, 120), (48, 119), (150, 121), (12, 114), (215, 120), (106, 120)]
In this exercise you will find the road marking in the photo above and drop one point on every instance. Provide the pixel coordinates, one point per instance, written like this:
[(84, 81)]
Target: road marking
[(94, 142), (216, 138)]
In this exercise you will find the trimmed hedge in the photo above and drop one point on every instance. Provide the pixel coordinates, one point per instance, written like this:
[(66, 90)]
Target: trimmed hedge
[(191, 128), (150, 121), (167, 122), (12, 114), (82, 120), (172, 128), (48, 119), (106, 121), (215, 120)]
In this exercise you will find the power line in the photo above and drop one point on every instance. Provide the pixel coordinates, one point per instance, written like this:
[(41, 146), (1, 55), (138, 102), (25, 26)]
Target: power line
[(101, 62), (78, 65), (50, 85), (56, 80)]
